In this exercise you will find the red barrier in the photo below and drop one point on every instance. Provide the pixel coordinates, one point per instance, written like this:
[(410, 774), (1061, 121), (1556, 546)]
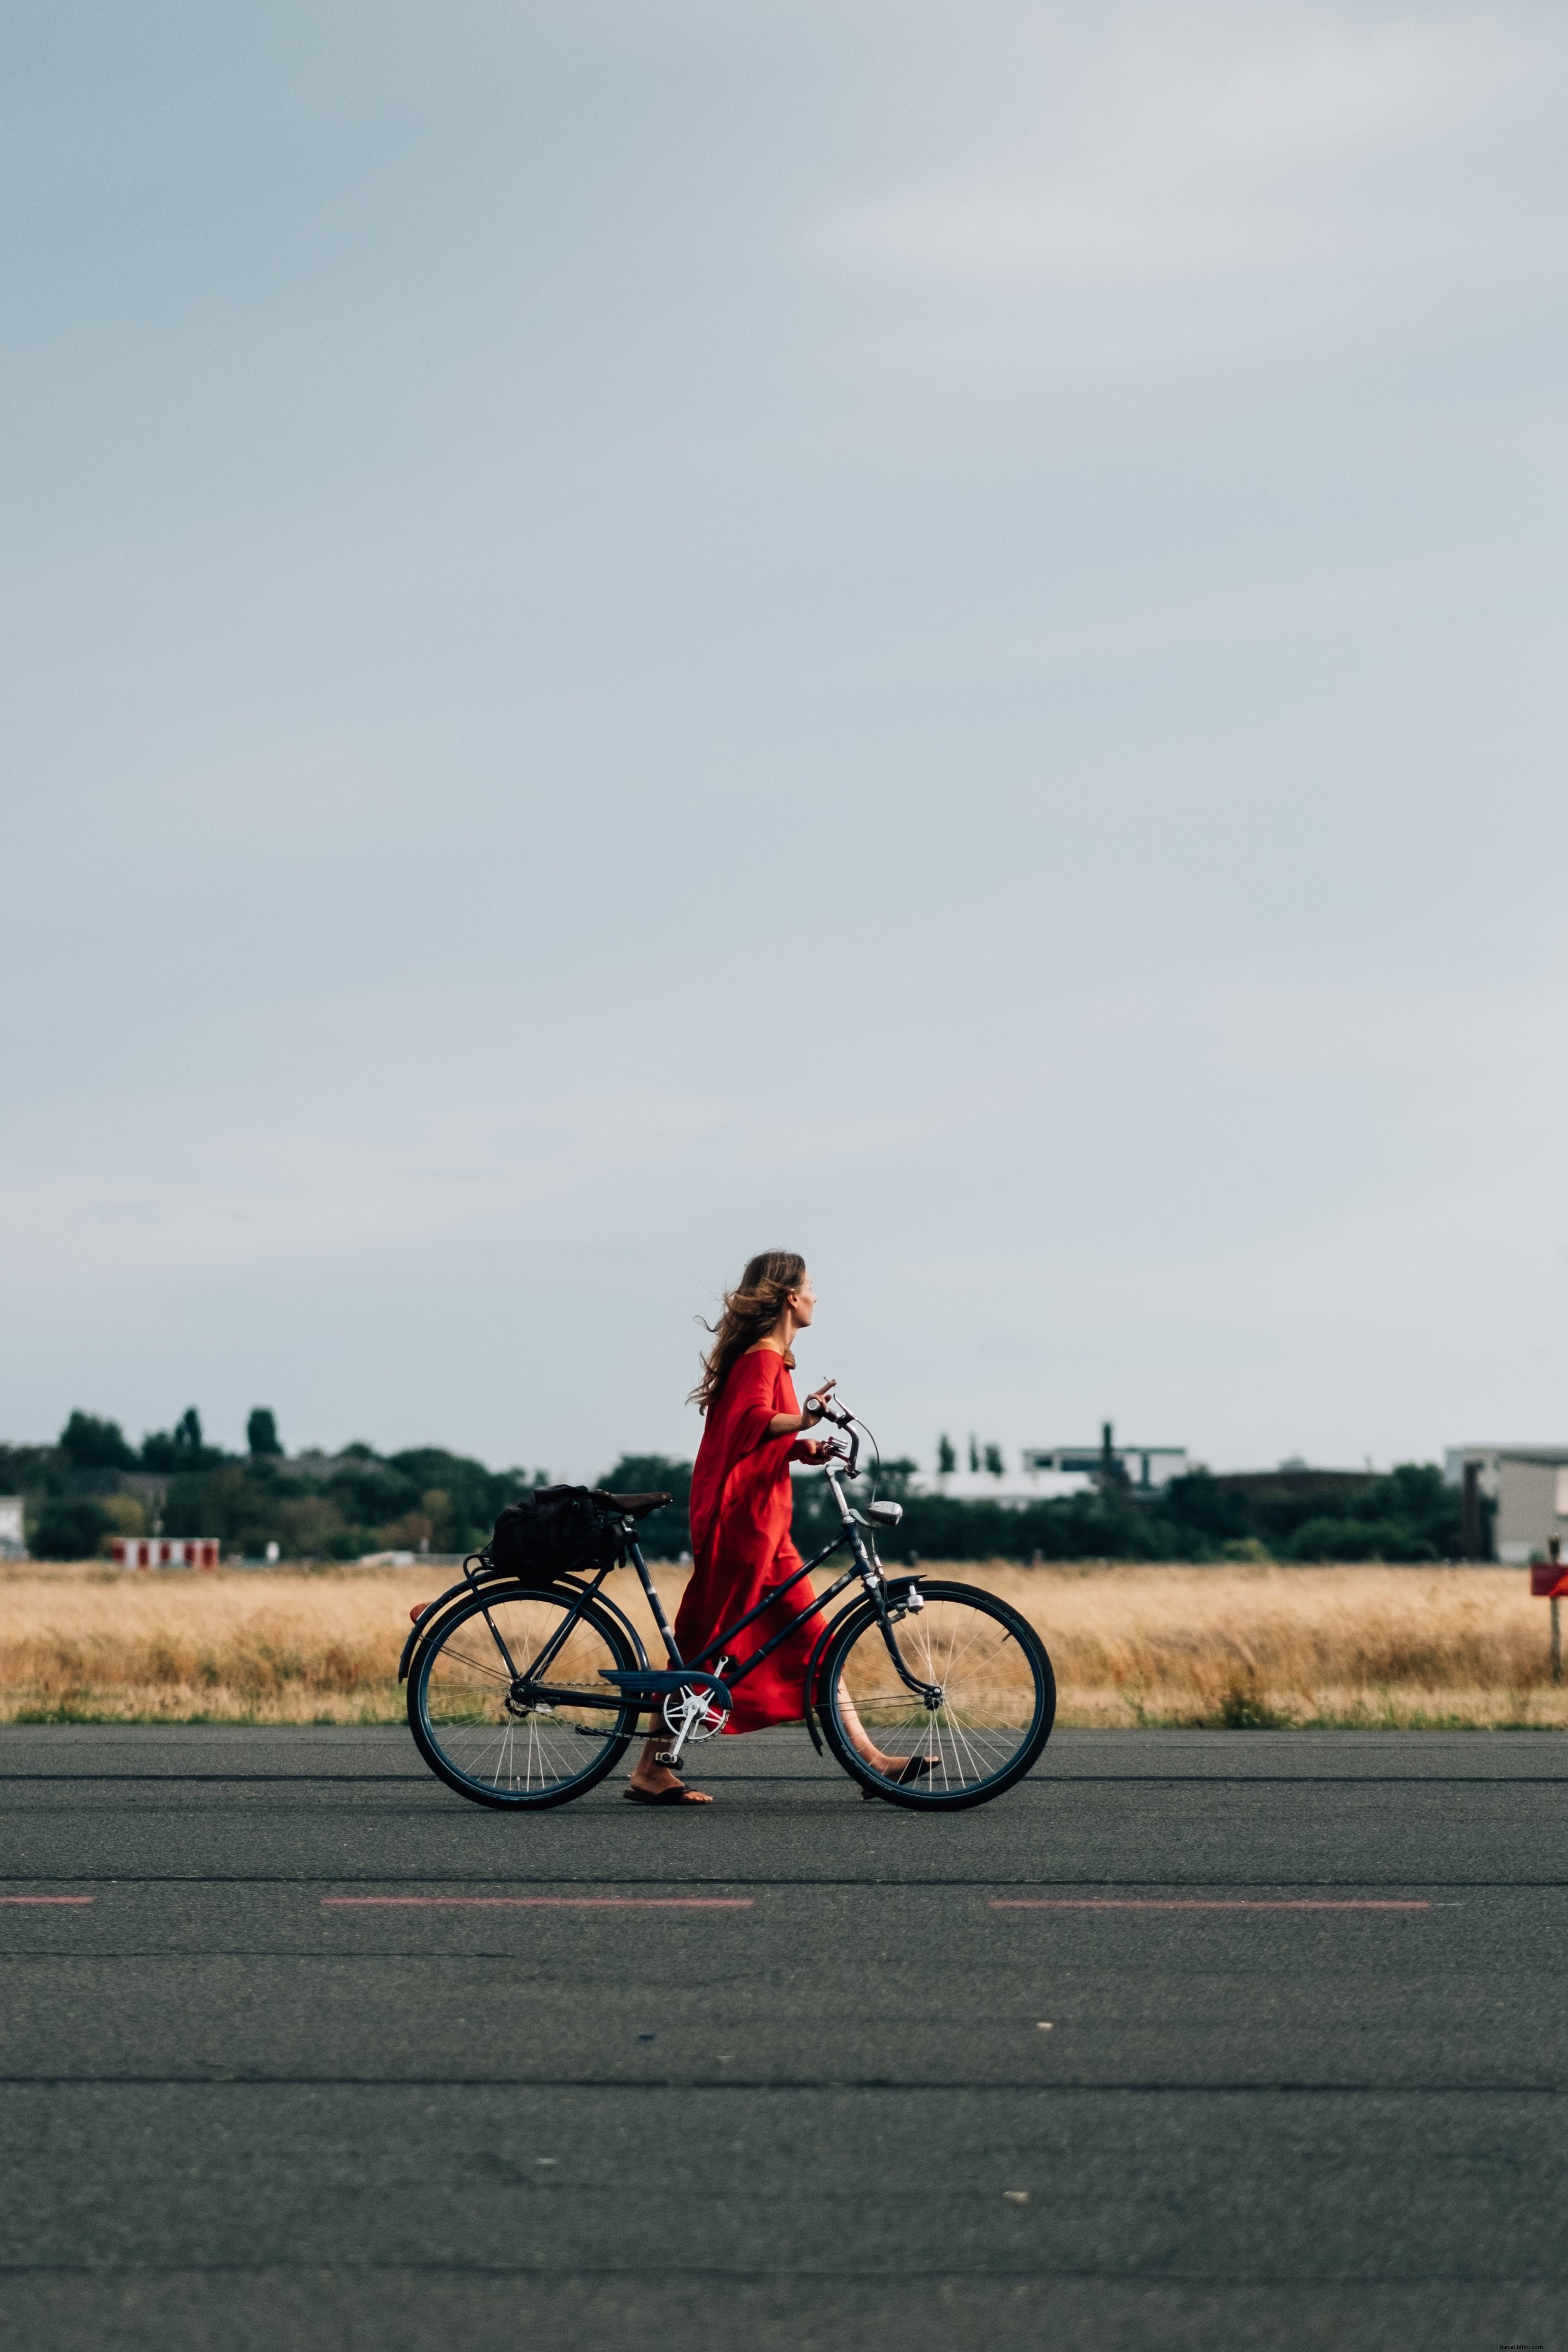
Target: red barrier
[(165, 1551)]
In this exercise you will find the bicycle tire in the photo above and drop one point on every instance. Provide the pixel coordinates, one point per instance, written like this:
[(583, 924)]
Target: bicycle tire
[(457, 1700), (1008, 1675)]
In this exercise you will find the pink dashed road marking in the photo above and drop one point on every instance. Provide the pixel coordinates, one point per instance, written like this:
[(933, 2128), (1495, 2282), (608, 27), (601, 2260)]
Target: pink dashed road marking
[(1149, 1903), (48, 1898), (536, 1901)]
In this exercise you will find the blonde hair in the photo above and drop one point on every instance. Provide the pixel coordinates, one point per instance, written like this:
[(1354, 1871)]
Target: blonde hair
[(750, 1312)]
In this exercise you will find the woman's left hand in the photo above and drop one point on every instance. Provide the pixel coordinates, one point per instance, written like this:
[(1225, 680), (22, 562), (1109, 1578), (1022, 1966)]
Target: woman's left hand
[(814, 1449)]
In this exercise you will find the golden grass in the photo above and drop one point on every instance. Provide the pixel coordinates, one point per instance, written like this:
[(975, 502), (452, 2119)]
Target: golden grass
[(1373, 1647), (1240, 1647)]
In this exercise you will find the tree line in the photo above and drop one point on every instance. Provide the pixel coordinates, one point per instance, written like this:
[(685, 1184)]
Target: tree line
[(92, 1485), (1408, 1515)]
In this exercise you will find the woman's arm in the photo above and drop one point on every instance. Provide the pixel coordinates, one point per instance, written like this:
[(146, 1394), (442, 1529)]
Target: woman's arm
[(790, 1424)]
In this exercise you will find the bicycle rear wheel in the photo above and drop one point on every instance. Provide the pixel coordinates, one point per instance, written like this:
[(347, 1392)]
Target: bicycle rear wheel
[(983, 1710), (485, 1740)]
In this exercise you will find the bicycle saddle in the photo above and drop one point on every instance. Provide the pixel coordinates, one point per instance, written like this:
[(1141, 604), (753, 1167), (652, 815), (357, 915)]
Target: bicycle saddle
[(631, 1506)]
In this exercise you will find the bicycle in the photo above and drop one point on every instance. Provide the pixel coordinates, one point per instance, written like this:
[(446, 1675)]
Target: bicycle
[(506, 1678)]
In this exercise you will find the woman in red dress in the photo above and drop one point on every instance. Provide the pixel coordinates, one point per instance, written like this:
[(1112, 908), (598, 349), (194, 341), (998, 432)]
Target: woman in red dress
[(741, 1505)]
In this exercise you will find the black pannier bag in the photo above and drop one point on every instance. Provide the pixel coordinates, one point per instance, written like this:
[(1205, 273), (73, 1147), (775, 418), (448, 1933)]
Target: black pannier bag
[(555, 1529)]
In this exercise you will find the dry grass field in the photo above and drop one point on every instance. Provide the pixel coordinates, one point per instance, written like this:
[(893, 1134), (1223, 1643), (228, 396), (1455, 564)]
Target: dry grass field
[(1245, 1647)]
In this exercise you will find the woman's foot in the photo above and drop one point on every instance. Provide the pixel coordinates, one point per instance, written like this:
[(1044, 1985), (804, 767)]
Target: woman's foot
[(895, 1768), (902, 1770), (653, 1783)]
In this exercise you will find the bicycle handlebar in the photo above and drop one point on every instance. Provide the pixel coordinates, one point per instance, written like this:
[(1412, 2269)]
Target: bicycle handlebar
[(843, 1419)]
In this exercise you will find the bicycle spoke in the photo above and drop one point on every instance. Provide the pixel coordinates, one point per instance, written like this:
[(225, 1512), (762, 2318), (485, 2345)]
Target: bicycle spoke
[(451, 1655)]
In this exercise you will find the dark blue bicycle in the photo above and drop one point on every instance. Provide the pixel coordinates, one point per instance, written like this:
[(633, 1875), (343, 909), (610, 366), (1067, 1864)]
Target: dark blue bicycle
[(526, 1690)]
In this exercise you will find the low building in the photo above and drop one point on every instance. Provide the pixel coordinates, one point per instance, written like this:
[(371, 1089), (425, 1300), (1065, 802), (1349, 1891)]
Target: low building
[(1527, 1487), (1014, 1489), (1144, 1466), (13, 1539)]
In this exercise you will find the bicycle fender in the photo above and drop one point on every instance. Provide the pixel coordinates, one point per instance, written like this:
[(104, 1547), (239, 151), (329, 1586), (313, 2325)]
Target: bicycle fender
[(426, 1617)]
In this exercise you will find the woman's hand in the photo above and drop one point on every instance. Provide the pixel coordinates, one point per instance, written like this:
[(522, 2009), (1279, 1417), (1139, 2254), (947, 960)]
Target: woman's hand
[(786, 1425), (814, 1449)]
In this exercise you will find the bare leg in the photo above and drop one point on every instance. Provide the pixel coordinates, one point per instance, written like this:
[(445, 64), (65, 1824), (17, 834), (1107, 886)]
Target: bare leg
[(861, 1741)]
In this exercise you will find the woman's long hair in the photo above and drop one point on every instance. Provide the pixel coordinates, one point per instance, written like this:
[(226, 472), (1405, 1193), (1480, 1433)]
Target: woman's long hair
[(749, 1313)]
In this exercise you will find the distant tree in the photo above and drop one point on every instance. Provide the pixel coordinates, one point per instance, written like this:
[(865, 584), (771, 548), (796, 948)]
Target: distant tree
[(91, 1444), (1328, 1538), (946, 1459), (70, 1530), (372, 1494), (180, 1449), (210, 1503), (1299, 1514), (994, 1462), (475, 1496), (262, 1434), (973, 1450), (32, 1470), (893, 1478), (126, 1514), (667, 1532)]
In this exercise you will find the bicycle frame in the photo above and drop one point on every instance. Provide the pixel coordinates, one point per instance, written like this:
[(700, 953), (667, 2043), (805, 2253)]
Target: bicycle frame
[(863, 1564)]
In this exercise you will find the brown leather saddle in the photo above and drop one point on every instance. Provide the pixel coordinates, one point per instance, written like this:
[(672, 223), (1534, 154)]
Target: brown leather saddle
[(631, 1506)]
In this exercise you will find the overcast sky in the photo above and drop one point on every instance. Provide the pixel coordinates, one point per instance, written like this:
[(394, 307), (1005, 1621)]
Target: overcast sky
[(638, 630)]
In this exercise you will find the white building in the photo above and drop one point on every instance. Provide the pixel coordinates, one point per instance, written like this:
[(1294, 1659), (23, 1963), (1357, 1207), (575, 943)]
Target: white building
[(1142, 1465), (12, 1539), (1014, 1488), (1529, 1487)]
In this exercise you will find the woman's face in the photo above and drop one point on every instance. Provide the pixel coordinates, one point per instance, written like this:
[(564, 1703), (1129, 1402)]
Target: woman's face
[(803, 1302)]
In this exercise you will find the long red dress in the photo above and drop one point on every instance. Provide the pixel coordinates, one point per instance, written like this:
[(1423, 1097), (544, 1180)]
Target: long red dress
[(741, 1505)]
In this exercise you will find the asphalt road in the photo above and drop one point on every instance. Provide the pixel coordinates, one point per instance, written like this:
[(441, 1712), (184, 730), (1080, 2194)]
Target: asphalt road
[(778, 2073)]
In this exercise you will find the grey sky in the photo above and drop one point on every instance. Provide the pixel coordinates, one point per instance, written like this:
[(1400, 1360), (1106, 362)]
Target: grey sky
[(929, 632)]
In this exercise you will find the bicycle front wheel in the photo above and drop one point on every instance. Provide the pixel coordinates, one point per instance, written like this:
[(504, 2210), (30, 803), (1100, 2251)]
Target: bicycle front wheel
[(481, 1731), (964, 1684)]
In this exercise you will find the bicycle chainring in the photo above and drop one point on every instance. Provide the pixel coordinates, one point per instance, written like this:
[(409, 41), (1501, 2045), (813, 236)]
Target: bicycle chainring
[(677, 1713)]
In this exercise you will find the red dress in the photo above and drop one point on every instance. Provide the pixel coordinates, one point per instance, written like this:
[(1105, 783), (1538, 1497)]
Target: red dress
[(741, 1505)]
